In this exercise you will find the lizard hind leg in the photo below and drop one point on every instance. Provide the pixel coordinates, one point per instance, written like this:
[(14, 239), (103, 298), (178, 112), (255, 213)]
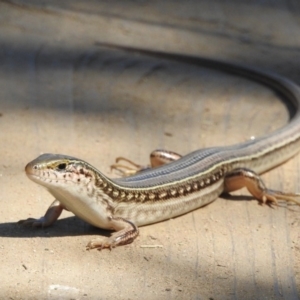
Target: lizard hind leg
[(243, 177)]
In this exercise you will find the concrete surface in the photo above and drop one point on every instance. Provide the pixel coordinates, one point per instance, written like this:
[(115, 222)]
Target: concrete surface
[(61, 92)]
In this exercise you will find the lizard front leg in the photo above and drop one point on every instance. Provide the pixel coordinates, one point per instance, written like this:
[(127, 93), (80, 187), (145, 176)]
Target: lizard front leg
[(51, 215), (126, 232), (157, 158)]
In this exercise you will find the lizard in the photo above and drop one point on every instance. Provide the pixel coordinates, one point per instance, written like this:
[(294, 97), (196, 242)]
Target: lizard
[(174, 184)]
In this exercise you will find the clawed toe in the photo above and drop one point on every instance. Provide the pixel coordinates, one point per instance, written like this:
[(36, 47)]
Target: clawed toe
[(100, 244), (31, 222)]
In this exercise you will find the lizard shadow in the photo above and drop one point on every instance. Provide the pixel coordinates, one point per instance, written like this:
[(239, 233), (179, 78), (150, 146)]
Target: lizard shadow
[(281, 203), (69, 226), (231, 197), (73, 226)]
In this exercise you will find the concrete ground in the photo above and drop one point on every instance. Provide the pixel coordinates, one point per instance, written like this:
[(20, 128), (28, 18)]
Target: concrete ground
[(62, 92)]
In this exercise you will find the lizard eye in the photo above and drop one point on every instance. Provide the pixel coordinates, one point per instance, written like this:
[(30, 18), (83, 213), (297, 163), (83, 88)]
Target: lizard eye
[(62, 166)]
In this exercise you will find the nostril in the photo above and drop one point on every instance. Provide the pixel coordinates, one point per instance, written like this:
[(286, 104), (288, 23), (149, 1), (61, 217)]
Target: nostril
[(31, 168)]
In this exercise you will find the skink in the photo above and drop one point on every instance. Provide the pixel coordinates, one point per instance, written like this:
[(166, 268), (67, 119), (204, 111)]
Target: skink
[(175, 185)]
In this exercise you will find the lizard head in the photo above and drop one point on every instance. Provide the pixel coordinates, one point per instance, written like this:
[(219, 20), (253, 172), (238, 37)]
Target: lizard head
[(51, 170)]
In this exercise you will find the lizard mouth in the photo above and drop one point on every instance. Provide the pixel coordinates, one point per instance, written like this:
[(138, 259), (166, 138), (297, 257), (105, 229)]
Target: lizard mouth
[(33, 173)]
